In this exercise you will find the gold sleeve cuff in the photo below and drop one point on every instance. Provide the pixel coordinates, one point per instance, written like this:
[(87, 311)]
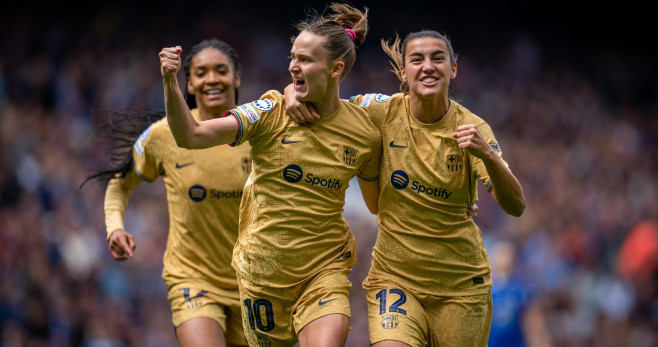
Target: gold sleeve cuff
[(117, 196)]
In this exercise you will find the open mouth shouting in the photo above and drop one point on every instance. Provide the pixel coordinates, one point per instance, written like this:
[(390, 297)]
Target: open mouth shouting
[(299, 83)]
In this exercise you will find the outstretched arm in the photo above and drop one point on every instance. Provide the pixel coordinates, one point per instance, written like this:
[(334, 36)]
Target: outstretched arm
[(186, 130), (117, 195), (506, 189)]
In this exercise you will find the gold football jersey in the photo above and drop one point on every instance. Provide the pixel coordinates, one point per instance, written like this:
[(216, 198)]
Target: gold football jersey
[(425, 243), (204, 189), (291, 223)]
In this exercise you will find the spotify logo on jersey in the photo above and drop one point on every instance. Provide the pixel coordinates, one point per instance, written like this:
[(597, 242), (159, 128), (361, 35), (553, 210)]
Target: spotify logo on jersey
[(293, 173), (399, 179), (197, 193)]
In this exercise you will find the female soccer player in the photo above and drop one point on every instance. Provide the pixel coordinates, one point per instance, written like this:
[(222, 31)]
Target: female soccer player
[(430, 279), (295, 251), (203, 210)]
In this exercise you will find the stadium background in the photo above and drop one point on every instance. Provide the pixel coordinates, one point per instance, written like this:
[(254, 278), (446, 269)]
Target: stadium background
[(568, 89)]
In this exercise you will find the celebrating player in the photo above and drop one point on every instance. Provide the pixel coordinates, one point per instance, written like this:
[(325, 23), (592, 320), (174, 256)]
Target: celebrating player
[(430, 279), (295, 251), (203, 210)]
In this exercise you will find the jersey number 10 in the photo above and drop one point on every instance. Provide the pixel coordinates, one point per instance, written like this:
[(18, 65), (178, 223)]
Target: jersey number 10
[(255, 317)]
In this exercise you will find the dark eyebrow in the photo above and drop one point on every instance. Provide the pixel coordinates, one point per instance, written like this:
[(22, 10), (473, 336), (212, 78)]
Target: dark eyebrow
[(438, 52), (201, 67)]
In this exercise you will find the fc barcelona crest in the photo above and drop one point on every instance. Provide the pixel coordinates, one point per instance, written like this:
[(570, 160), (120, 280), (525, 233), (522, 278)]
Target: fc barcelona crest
[(263, 340), (349, 156), (246, 165), (390, 321), (455, 162)]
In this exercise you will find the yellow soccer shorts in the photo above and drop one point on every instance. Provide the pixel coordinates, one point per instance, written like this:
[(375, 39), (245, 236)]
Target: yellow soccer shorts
[(274, 317), (191, 301), (394, 313)]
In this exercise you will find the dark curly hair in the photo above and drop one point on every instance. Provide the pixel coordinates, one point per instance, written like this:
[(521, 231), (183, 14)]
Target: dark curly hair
[(124, 126)]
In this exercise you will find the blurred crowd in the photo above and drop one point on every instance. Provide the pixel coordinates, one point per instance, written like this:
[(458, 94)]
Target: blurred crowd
[(579, 268)]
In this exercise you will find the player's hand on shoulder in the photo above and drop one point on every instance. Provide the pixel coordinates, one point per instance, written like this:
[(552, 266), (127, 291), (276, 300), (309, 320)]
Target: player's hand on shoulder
[(170, 61), (299, 112), (121, 245)]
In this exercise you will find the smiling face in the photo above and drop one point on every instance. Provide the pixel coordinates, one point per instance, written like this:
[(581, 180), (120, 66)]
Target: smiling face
[(312, 73), (427, 67), (213, 81)]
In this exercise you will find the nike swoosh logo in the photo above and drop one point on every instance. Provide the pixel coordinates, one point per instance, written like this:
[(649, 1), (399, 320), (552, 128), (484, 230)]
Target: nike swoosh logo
[(283, 141), (178, 166), (393, 145), (322, 303)]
